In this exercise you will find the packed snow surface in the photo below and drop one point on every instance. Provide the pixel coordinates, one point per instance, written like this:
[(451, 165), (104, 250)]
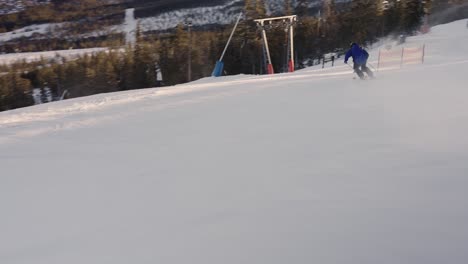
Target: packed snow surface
[(308, 167), (11, 58), (49, 29)]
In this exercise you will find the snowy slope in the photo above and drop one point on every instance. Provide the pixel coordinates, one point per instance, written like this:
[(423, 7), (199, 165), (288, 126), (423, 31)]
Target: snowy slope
[(47, 55), (309, 167)]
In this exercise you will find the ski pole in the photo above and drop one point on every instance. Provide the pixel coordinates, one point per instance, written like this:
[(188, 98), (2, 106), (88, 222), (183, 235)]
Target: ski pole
[(354, 71), (372, 66), (375, 70), (350, 66)]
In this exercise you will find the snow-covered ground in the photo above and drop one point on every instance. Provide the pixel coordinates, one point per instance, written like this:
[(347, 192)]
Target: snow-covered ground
[(47, 29), (210, 15), (200, 16), (309, 167), (221, 15), (37, 56), (15, 6)]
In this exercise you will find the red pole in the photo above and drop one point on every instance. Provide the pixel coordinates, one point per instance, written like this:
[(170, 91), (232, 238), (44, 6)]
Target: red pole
[(291, 66), (270, 68), (291, 42)]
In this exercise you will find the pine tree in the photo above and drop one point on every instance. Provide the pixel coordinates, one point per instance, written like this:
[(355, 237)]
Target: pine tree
[(4, 94), (361, 21), (249, 55), (90, 82), (260, 8), (180, 56), (302, 9), (427, 6), (249, 10), (288, 8), (330, 24), (413, 11), (18, 91), (126, 74), (391, 17), (46, 75)]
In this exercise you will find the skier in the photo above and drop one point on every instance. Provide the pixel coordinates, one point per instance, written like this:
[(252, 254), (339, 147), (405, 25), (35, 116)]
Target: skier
[(360, 57)]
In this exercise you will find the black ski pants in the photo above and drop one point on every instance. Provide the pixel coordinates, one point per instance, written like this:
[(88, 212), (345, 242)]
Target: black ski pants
[(360, 68)]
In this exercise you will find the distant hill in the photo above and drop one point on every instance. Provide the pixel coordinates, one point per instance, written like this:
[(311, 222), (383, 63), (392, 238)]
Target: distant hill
[(36, 25), (90, 23), (15, 6)]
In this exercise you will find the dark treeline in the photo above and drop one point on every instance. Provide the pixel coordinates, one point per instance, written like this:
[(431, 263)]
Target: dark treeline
[(166, 54)]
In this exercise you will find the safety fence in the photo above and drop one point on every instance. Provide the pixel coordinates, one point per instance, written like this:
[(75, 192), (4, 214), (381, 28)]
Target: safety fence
[(397, 58)]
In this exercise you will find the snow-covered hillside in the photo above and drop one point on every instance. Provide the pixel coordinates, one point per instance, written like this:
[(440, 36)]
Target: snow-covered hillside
[(222, 14), (49, 29), (200, 16), (14, 6), (211, 15), (11, 58), (309, 167)]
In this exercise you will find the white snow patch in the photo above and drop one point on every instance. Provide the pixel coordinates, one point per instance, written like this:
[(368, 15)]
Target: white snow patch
[(200, 16), (37, 56), (40, 29)]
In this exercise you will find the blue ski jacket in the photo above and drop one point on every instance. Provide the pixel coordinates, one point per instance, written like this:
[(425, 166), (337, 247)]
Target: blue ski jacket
[(359, 55)]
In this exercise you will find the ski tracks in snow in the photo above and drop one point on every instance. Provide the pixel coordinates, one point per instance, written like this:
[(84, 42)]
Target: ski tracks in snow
[(93, 110), (99, 109)]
